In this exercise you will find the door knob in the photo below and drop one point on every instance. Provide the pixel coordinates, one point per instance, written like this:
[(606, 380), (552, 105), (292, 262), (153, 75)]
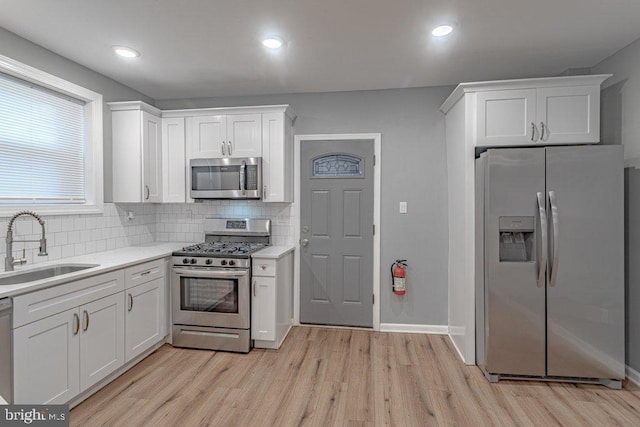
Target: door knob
[(304, 243)]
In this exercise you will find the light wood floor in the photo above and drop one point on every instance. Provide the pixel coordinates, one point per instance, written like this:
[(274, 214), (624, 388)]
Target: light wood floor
[(328, 377)]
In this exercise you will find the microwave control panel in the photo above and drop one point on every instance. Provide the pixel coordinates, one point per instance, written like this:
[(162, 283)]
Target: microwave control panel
[(252, 178)]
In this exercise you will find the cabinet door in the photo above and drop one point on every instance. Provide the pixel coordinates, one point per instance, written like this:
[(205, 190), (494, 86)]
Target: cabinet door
[(208, 137), (244, 135), (263, 309), (277, 158), (506, 117), (152, 158), (101, 339), (46, 359), (569, 114), (174, 160), (145, 317)]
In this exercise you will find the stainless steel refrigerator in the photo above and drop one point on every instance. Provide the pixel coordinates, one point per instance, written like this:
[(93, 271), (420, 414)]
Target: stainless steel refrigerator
[(550, 263)]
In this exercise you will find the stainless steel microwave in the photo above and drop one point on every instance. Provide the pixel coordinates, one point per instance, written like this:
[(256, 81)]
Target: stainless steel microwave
[(239, 178)]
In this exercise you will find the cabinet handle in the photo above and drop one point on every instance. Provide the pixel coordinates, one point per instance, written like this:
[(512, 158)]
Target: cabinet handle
[(144, 273), (85, 314), (264, 267), (230, 147), (130, 302), (223, 152), (542, 132), (254, 288), (264, 192), (533, 131), (76, 323), (146, 192)]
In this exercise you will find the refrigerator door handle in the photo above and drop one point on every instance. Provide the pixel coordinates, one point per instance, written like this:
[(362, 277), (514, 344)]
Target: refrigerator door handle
[(542, 265), (556, 245)]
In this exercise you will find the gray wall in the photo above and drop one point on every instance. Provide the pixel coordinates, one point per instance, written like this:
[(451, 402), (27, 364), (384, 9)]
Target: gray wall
[(22, 50), (413, 170), (621, 124)]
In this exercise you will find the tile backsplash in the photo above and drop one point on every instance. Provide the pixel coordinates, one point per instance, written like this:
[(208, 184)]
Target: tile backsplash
[(185, 222), (73, 235)]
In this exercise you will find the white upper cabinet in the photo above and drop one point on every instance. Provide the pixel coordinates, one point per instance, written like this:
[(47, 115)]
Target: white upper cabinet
[(174, 168), (244, 136), (568, 114), (547, 111), (207, 137), (137, 152), (277, 158), (151, 157), (219, 136), (506, 117)]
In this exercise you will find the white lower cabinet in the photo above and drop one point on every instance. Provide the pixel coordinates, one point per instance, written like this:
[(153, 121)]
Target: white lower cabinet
[(69, 337), (101, 339), (271, 302), (263, 309), (60, 356), (144, 317), (46, 359)]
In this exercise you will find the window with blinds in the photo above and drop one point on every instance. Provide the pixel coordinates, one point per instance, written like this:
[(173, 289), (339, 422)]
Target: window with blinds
[(42, 145)]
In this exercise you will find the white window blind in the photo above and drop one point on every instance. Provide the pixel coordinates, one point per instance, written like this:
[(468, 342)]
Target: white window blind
[(42, 138)]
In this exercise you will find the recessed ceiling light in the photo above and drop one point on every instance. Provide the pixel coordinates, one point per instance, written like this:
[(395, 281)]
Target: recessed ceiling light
[(126, 52), (442, 30), (272, 42)]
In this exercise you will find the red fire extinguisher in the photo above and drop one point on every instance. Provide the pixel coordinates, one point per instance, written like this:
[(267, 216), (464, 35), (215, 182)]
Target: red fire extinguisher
[(398, 276)]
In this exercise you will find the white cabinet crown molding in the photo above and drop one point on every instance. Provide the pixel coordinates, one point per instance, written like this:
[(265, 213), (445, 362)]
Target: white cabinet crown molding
[(194, 112), (134, 105), (463, 88)]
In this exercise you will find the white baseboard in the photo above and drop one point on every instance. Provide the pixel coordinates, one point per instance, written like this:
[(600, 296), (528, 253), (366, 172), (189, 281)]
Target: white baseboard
[(414, 329), (633, 375)]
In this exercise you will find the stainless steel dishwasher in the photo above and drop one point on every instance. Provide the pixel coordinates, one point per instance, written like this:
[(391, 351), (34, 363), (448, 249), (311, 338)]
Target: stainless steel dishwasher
[(6, 390)]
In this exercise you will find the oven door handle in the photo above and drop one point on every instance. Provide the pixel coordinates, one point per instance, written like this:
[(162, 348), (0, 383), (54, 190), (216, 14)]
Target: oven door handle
[(210, 273)]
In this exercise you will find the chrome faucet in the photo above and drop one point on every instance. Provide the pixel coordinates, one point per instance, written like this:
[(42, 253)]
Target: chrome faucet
[(9, 261)]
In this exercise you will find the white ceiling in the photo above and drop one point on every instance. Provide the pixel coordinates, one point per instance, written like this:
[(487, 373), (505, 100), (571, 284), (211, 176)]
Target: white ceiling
[(198, 48)]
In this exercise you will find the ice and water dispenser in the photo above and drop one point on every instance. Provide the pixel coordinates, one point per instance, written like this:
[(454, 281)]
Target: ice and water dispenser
[(516, 238)]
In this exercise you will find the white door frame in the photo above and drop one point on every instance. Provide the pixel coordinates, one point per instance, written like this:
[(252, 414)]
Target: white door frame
[(376, 137)]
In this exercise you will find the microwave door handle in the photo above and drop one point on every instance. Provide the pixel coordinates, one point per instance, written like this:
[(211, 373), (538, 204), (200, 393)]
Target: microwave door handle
[(210, 273), (243, 172)]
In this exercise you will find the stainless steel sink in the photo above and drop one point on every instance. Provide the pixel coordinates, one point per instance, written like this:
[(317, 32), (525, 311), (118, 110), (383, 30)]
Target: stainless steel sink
[(16, 278)]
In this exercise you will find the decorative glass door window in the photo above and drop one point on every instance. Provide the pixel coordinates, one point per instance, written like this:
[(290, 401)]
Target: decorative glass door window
[(338, 166)]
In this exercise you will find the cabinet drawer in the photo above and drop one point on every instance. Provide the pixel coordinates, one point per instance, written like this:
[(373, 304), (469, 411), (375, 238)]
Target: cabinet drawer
[(264, 267), (143, 273), (47, 302)]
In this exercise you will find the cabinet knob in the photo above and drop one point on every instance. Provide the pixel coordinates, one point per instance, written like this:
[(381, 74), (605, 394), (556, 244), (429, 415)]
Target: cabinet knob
[(304, 243)]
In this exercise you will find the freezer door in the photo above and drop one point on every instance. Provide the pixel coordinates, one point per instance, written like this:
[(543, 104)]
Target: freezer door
[(585, 294), (514, 298)]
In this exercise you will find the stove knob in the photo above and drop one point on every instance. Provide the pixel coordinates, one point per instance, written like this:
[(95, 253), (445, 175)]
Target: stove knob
[(208, 261), (232, 262), (185, 261), (223, 262), (193, 261)]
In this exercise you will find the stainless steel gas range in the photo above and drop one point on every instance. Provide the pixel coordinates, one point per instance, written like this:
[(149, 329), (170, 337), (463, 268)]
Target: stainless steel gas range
[(211, 285)]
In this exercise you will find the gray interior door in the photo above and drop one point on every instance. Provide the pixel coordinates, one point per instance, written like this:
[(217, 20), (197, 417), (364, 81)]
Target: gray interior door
[(336, 232), (585, 294), (514, 262)]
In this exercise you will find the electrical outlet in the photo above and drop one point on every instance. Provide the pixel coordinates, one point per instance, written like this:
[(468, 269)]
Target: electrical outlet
[(130, 216), (403, 207)]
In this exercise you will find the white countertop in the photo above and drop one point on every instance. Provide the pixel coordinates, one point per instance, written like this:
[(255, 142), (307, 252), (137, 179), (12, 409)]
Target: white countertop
[(273, 252), (108, 261)]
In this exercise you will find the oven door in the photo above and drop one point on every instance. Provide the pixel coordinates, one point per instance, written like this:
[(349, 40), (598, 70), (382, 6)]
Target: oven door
[(211, 297)]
